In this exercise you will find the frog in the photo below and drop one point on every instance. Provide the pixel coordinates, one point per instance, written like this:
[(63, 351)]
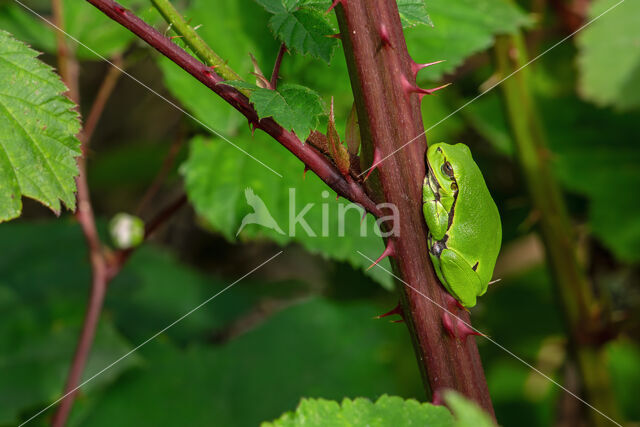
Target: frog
[(465, 231)]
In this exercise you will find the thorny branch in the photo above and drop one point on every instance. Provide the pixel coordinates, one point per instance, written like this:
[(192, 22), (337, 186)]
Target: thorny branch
[(309, 155)]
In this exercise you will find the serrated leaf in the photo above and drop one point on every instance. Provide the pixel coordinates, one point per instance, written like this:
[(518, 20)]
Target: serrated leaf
[(460, 29), (467, 413), (302, 27), (413, 12), (213, 379), (609, 58), (38, 147), (218, 195), (386, 411), (294, 107)]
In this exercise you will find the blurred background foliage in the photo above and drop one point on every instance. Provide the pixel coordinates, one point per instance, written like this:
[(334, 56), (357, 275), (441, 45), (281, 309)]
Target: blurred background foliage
[(302, 326)]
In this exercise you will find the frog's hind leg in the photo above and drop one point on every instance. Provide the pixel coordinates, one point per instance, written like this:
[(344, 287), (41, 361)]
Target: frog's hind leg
[(461, 280)]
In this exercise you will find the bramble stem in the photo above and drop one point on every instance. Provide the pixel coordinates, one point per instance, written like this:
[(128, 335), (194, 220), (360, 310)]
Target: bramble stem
[(276, 66), (193, 40), (389, 117), (309, 155)]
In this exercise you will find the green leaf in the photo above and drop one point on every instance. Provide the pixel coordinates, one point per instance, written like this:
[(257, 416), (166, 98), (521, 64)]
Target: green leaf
[(219, 194), (609, 57), (294, 107), (82, 21), (413, 12), (302, 27), (467, 413), (38, 147), (386, 411), (595, 154), (460, 29), (258, 367)]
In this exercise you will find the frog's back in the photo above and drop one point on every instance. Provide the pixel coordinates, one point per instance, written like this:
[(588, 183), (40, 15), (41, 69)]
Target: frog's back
[(476, 218)]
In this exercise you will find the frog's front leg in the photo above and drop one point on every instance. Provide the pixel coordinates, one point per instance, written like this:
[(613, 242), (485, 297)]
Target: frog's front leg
[(435, 214), (459, 277)]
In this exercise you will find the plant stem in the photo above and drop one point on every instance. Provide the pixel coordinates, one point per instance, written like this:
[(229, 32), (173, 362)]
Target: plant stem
[(276, 66), (389, 117), (193, 40), (102, 272), (104, 93), (308, 154), (585, 317)]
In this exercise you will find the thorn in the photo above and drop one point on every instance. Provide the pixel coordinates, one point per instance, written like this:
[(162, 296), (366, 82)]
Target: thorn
[(384, 35), (252, 127), (197, 27), (333, 4), (337, 197), (453, 303), (335, 36), (209, 70), (377, 158), (415, 67), (175, 37), (436, 398), (412, 88), (304, 172), (447, 324), (494, 281), (121, 10), (395, 310), (388, 251), (463, 330), (460, 330)]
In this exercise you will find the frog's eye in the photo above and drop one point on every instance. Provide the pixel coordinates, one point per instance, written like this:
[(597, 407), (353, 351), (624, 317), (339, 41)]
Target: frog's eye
[(447, 169)]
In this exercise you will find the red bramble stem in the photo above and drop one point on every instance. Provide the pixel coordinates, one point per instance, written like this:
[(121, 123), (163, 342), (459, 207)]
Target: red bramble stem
[(316, 162)]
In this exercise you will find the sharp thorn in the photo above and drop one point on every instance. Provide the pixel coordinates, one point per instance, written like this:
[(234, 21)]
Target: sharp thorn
[(304, 173), (410, 88), (415, 67), (389, 250), (447, 324), (395, 310), (463, 330), (494, 281), (453, 303), (436, 398), (335, 36), (377, 159), (333, 5), (384, 35)]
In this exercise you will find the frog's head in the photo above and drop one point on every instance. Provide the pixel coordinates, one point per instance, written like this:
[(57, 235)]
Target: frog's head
[(443, 169)]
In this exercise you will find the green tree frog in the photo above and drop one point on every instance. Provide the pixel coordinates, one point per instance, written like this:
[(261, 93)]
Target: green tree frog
[(464, 224)]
